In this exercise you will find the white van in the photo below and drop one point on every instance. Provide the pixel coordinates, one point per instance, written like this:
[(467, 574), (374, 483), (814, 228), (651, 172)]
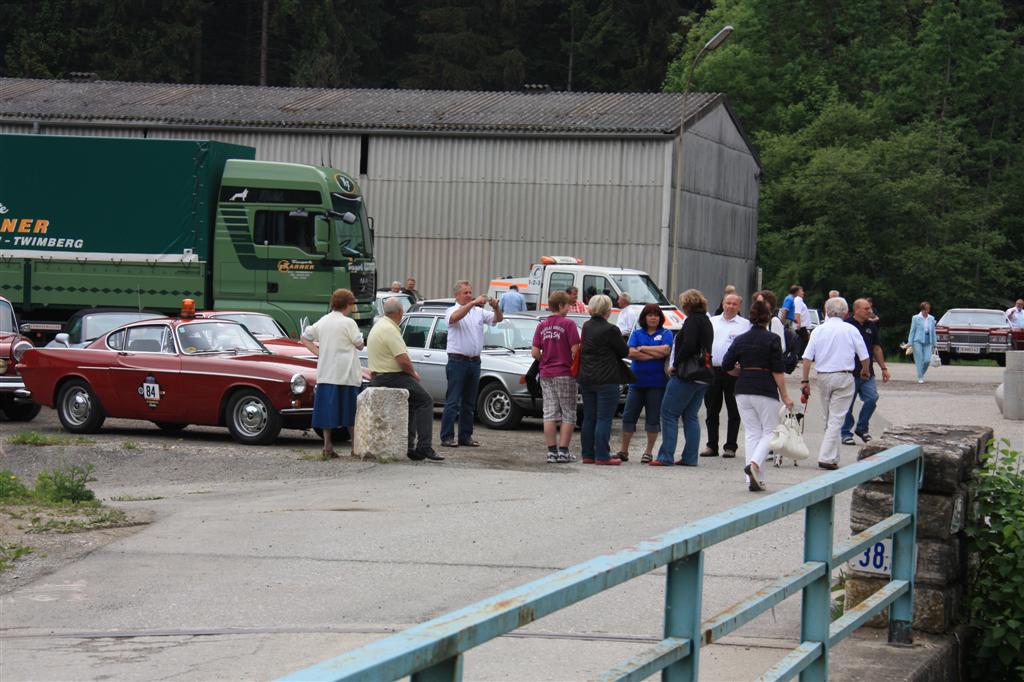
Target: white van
[(557, 273)]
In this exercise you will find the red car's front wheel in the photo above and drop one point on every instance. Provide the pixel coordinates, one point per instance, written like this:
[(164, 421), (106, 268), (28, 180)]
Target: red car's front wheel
[(251, 419)]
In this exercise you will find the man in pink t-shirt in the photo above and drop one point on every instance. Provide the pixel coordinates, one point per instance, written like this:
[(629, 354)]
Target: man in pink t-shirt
[(555, 342)]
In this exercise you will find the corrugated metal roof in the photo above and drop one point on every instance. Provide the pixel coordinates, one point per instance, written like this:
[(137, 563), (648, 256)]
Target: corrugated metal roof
[(534, 113)]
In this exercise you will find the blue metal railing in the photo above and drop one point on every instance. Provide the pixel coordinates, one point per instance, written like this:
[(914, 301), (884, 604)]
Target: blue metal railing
[(434, 650)]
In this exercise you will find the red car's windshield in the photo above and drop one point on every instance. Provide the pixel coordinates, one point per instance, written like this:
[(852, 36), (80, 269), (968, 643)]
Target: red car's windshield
[(974, 318)]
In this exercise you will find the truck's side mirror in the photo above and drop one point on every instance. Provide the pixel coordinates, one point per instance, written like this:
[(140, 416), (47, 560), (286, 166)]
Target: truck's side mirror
[(373, 235), (349, 217), (322, 234)]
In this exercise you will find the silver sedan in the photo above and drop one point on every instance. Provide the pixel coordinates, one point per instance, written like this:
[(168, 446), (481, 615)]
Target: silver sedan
[(503, 399)]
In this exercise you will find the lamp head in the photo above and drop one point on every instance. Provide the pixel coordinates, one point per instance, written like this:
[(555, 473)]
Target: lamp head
[(718, 39)]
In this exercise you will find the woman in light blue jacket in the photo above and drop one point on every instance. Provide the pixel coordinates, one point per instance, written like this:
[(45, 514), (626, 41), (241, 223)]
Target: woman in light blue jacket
[(922, 339)]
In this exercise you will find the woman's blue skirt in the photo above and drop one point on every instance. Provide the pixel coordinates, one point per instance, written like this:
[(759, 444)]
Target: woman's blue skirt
[(334, 405)]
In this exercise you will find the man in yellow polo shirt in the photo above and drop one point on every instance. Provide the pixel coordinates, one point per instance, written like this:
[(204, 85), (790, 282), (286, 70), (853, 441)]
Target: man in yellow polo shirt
[(391, 367)]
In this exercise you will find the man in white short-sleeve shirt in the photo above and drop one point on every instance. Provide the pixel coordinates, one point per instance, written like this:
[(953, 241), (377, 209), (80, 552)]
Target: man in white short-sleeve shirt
[(727, 327), (466, 320), (835, 348)]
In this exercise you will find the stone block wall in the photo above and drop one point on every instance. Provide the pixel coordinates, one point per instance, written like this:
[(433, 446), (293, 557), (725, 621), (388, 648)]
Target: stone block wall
[(951, 454)]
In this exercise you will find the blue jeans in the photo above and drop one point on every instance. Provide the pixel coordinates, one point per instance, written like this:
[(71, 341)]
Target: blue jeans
[(647, 399), (682, 399), (868, 392), (599, 403), (460, 399)]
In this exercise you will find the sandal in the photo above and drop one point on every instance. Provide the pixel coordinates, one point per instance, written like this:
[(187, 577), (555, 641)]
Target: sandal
[(624, 456), (646, 459)]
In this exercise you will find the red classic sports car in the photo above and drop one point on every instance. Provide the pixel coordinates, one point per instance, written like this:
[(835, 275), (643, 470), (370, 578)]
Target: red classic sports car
[(175, 372), (14, 401)]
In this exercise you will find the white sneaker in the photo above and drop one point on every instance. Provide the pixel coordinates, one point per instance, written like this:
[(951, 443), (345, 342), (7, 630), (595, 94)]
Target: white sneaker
[(920, 381), (552, 457)]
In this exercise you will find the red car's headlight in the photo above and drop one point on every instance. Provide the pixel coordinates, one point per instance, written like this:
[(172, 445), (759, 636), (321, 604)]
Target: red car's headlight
[(19, 350)]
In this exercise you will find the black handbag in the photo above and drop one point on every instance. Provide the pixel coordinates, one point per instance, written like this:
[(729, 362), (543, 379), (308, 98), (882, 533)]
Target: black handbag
[(697, 367)]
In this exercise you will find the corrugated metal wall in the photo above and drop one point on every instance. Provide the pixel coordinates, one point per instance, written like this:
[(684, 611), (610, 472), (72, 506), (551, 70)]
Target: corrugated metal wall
[(473, 208), (719, 226)]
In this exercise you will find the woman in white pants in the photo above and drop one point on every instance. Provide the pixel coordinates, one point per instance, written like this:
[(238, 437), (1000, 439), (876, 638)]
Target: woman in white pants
[(756, 358)]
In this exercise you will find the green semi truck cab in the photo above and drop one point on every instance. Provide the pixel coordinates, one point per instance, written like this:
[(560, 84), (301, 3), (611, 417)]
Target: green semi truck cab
[(91, 221)]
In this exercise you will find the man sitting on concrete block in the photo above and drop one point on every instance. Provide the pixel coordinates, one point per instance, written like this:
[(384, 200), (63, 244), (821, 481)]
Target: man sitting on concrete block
[(390, 367)]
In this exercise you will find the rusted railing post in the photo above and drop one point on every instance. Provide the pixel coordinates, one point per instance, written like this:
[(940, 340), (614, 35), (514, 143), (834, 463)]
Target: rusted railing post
[(683, 588), (816, 602), (904, 549)]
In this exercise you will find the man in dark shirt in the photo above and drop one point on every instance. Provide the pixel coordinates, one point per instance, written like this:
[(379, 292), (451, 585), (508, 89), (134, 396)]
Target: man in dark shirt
[(865, 388)]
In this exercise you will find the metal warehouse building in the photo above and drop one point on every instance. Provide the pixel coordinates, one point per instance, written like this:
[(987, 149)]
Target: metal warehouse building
[(470, 184)]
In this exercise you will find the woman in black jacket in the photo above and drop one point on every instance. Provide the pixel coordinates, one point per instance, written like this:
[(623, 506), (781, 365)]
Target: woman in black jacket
[(601, 376), (757, 355), (688, 383)]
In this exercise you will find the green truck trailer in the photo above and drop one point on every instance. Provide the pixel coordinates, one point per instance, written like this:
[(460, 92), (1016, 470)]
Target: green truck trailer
[(143, 223)]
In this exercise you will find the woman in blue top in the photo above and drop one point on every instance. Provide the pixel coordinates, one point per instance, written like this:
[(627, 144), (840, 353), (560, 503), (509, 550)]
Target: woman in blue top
[(649, 345), (922, 338)]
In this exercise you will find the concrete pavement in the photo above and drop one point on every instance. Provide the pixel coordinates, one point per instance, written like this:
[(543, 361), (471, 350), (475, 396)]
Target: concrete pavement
[(256, 580)]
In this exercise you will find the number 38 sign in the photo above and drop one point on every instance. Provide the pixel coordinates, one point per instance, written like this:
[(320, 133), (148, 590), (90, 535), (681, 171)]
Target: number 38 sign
[(875, 559)]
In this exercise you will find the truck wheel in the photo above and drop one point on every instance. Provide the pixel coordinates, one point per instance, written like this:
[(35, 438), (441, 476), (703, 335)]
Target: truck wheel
[(1001, 360), (251, 419), (496, 409), (20, 412), (338, 435), (78, 408), (944, 356), (171, 427)]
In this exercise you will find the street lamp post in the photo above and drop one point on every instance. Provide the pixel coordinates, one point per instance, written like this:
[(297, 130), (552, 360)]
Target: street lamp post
[(709, 46)]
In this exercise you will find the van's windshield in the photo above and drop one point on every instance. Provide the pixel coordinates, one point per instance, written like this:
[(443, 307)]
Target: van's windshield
[(641, 289)]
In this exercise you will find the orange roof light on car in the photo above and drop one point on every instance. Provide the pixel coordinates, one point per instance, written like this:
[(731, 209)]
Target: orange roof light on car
[(561, 260), (188, 308)]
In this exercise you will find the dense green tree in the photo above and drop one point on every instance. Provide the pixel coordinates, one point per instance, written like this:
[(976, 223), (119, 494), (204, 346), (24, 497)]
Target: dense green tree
[(891, 139)]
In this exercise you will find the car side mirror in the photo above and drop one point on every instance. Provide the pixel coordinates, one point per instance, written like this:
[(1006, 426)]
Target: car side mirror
[(63, 339)]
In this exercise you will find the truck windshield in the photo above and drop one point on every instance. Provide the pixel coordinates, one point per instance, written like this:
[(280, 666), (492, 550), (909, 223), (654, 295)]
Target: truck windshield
[(6, 317), (354, 238), (641, 289)]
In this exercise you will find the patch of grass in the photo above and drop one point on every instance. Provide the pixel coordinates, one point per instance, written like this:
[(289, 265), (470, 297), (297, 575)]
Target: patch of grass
[(838, 596), (129, 445), (85, 519), (42, 439), (11, 489), (65, 484), (9, 553), (134, 498)]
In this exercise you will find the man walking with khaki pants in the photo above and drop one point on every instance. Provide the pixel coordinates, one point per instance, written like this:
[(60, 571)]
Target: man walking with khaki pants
[(834, 347)]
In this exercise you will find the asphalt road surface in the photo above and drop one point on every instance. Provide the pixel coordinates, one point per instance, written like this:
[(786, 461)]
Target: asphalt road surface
[(260, 560)]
